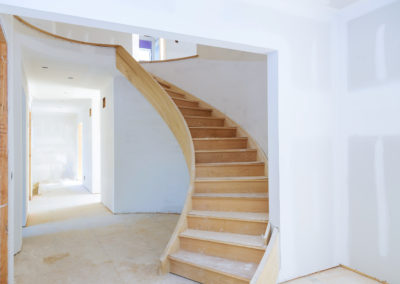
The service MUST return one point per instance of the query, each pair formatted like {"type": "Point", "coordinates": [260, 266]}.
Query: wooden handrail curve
{"type": "Point", "coordinates": [61, 37]}
{"type": "Point", "coordinates": [170, 60]}
{"type": "Point", "coordinates": [164, 105]}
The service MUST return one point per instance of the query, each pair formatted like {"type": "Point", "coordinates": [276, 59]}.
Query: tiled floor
{"type": "Point", "coordinates": [82, 242]}
{"type": "Point", "coordinates": [334, 276]}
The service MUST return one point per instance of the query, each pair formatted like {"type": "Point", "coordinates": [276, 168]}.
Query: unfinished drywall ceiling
{"type": "Point", "coordinates": [335, 4]}
{"type": "Point", "coordinates": [55, 69]}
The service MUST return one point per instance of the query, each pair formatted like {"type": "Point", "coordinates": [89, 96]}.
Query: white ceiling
{"type": "Point", "coordinates": [62, 78]}
{"type": "Point", "coordinates": [334, 4]}
{"type": "Point", "coordinates": [72, 70]}
{"type": "Point", "coordinates": [338, 4]}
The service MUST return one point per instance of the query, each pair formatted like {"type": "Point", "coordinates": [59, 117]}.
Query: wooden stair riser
{"type": "Point", "coordinates": [226, 225]}
{"type": "Point", "coordinates": [164, 85]}
{"type": "Point", "coordinates": [229, 170]}
{"type": "Point", "coordinates": [213, 144]}
{"type": "Point", "coordinates": [230, 204]}
{"type": "Point", "coordinates": [212, 132]}
{"type": "Point", "coordinates": [185, 103]}
{"type": "Point", "coordinates": [202, 275]}
{"type": "Point", "coordinates": [195, 112]}
{"type": "Point", "coordinates": [225, 156]}
{"type": "Point", "coordinates": [231, 186]}
{"type": "Point", "coordinates": [225, 250]}
{"type": "Point", "coordinates": [203, 121]}
{"type": "Point", "coordinates": [175, 95]}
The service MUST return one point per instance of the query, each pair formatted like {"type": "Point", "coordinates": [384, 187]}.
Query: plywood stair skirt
{"type": "Point", "coordinates": [223, 235]}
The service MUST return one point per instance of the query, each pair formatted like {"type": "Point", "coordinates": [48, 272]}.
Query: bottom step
{"type": "Point", "coordinates": [211, 269]}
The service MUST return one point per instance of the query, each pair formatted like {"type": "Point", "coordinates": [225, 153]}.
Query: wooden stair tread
{"type": "Point", "coordinates": [185, 100]}
{"type": "Point", "coordinates": [202, 117]}
{"type": "Point", "coordinates": [251, 241]}
{"type": "Point", "coordinates": [223, 179]}
{"type": "Point", "coordinates": [211, 127]}
{"type": "Point", "coordinates": [220, 138]}
{"type": "Point", "coordinates": [174, 91]}
{"type": "Point", "coordinates": [232, 195]}
{"type": "Point", "coordinates": [241, 216]}
{"type": "Point", "coordinates": [164, 85]}
{"type": "Point", "coordinates": [230, 164]}
{"type": "Point", "coordinates": [195, 108]}
{"type": "Point", "coordinates": [244, 270]}
{"type": "Point", "coordinates": [226, 150]}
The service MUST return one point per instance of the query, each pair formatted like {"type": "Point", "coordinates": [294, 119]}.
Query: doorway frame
{"type": "Point", "coordinates": [3, 159]}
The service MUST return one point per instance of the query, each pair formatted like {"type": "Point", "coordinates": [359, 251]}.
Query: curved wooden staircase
{"type": "Point", "coordinates": [224, 237]}
{"type": "Point", "coordinates": [223, 234]}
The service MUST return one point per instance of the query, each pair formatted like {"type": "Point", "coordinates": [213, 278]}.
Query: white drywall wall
{"type": "Point", "coordinates": [86, 149]}
{"type": "Point", "coordinates": [87, 145]}
{"type": "Point", "coordinates": [95, 146]}
{"type": "Point", "coordinates": [179, 49]}
{"type": "Point", "coordinates": [150, 170]}
{"type": "Point", "coordinates": [107, 147]}
{"type": "Point", "coordinates": [54, 146]}
{"type": "Point", "coordinates": [368, 138]}
{"type": "Point", "coordinates": [25, 151]}
{"type": "Point", "coordinates": [273, 138]}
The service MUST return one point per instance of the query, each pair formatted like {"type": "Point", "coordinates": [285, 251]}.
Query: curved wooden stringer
{"type": "Point", "coordinates": [222, 235]}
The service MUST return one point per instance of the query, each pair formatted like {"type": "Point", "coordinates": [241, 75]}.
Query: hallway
{"type": "Point", "coordinates": [72, 238]}
{"type": "Point", "coordinates": [61, 201]}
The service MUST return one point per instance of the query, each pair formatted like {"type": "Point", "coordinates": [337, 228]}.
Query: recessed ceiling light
{"type": "Point", "coordinates": [70, 77]}
{"type": "Point", "coordinates": [45, 67]}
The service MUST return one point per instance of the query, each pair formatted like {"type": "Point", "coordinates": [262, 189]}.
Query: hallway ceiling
{"type": "Point", "coordinates": [56, 69]}
{"type": "Point", "coordinates": [62, 78]}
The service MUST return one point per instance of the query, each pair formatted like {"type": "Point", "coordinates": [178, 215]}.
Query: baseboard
{"type": "Point", "coordinates": [363, 274]}
{"type": "Point", "coordinates": [342, 266]}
